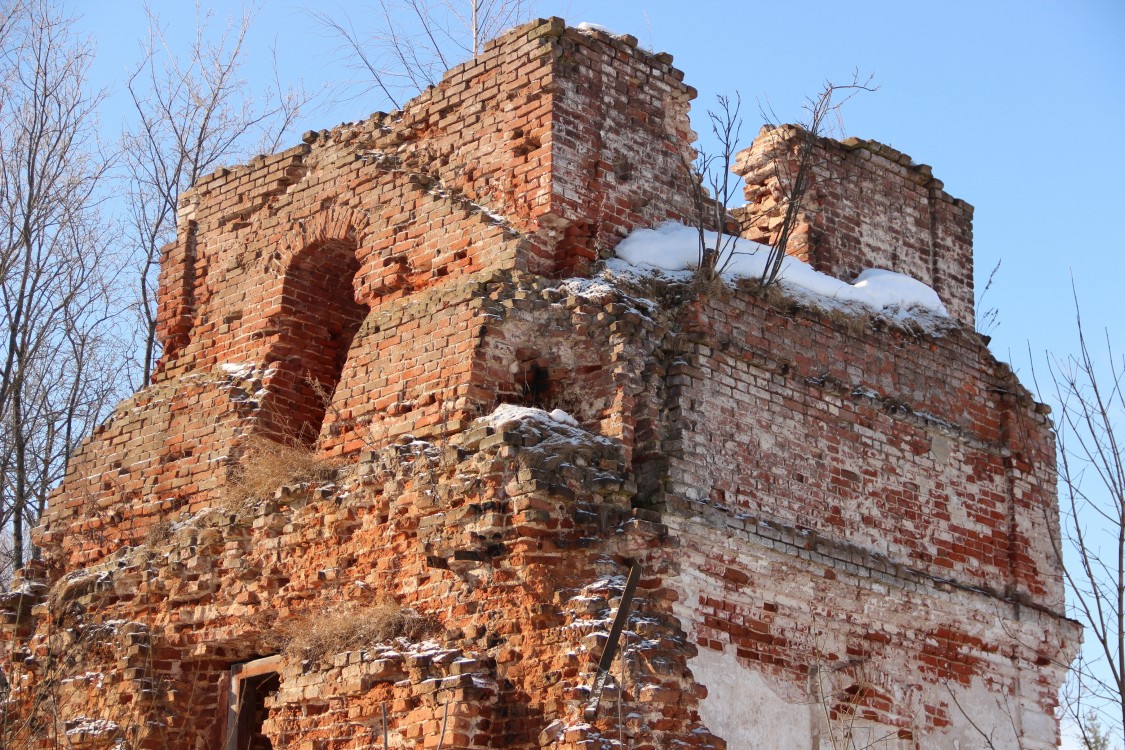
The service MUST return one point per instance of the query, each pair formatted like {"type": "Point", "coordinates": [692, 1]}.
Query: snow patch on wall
{"type": "Point", "coordinates": [509, 412]}
{"type": "Point", "coordinates": [586, 26]}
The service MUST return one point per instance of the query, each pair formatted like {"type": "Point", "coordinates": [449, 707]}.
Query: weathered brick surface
{"type": "Point", "coordinates": [842, 522]}
{"type": "Point", "coordinates": [924, 450]}
{"type": "Point", "coordinates": [901, 658]}
{"type": "Point", "coordinates": [492, 537]}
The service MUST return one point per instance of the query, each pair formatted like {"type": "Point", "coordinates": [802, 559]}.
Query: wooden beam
{"type": "Point", "coordinates": [610, 650]}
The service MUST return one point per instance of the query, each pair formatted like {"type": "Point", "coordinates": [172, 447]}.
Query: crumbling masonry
{"type": "Point", "coordinates": [814, 529]}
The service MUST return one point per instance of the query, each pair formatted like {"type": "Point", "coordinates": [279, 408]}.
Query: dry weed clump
{"type": "Point", "coordinates": [351, 627]}
{"type": "Point", "coordinates": [158, 533]}
{"type": "Point", "coordinates": [267, 465]}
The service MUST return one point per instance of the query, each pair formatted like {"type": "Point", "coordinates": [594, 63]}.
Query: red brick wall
{"type": "Point", "coordinates": [462, 182]}
{"type": "Point", "coordinates": [924, 449]}
{"type": "Point", "coordinates": [408, 371]}
{"type": "Point", "coordinates": [862, 509]}
{"type": "Point", "coordinates": [490, 537]}
{"type": "Point", "coordinates": [621, 144]}
{"type": "Point", "coordinates": [906, 658]}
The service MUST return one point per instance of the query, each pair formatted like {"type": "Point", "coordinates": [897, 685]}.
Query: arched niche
{"type": "Point", "coordinates": [314, 324]}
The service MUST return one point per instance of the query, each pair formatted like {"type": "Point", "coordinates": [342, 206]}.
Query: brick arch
{"type": "Point", "coordinates": [335, 225]}
{"type": "Point", "coordinates": [314, 325]}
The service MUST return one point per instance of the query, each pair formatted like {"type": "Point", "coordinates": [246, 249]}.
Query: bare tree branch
{"type": "Point", "coordinates": [823, 115]}
{"type": "Point", "coordinates": [406, 45]}
{"type": "Point", "coordinates": [1089, 399]}
{"type": "Point", "coordinates": [58, 347]}
{"type": "Point", "coordinates": [713, 189]}
{"type": "Point", "coordinates": [192, 114]}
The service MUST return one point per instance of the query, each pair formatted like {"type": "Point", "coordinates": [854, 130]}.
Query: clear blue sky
{"type": "Point", "coordinates": [1018, 106]}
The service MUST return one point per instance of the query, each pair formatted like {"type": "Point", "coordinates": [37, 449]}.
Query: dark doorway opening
{"type": "Point", "coordinates": [251, 684]}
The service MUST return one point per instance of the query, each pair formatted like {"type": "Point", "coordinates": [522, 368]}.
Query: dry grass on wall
{"type": "Point", "coordinates": [352, 627]}
{"type": "Point", "coordinates": [267, 465]}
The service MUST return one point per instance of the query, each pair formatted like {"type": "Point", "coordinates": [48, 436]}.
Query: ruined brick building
{"type": "Point", "coordinates": [819, 530]}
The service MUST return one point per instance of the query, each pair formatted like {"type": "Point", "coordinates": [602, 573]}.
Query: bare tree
{"type": "Point", "coordinates": [193, 113]}
{"type": "Point", "coordinates": [11, 12]}
{"type": "Point", "coordinates": [796, 175]}
{"type": "Point", "coordinates": [58, 352]}
{"type": "Point", "coordinates": [1089, 406]}
{"type": "Point", "coordinates": [791, 165]}
{"type": "Point", "coordinates": [713, 189]}
{"type": "Point", "coordinates": [406, 45]}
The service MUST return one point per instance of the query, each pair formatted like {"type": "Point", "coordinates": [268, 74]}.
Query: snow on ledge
{"type": "Point", "coordinates": [93, 727]}
{"type": "Point", "coordinates": [673, 249]}
{"type": "Point", "coordinates": [587, 26]}
{"type": "Point", "coordinates": [553, 430]}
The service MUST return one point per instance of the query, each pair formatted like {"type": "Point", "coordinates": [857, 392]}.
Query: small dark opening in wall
{"type": "Point", "coordinates": [536, 379]}
{"type": "Point", "coordinates": [622, 168]}
{"type": "Point", "coordinates": [536, 385]}
{"type": "Point", "coordinates": [253, 712]}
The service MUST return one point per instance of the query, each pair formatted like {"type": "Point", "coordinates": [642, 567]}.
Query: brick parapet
{"type": "Point", "coordinates": [510, 134]}
{"type": "Point", "coordinates": [868, 206]}
{"type": "Point", "coordinates": [622, 144]}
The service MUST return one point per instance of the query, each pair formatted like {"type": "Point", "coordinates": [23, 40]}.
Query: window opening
{"type": "Point", "coordinates": [537, 385]}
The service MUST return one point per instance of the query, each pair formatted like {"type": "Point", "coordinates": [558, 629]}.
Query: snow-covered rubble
{"type": "Point", "coordinates": [508, 412]}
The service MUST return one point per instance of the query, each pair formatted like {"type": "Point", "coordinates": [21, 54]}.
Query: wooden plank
{"type": "Point", "coordinates": [610, 650]}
